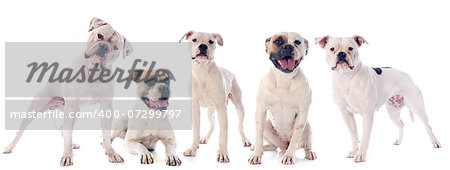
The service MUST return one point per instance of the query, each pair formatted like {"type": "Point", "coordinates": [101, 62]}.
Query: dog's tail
{"type": "Point", "coordinates": [411, 115]}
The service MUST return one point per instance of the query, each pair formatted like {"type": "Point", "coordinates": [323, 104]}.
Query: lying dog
{"type": "Point", "coordinates": [142, 134]}
{"type": "Point", "coordinates": [284, 93]}
{"type": "Point", "coordinates": [105, 46]}
{"type": "Point", "coordinates": [212, 86]}
{"type": "Point", "coordinates": [358, 89]}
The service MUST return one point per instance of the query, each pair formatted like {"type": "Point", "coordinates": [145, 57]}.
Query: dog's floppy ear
{"type": "Point", "coordinates": [267, 43]}
{"type": "Point", "coordinates": [127, 48]}
{"type": "Point", "coordinates": [95, 23]}
{"type": "Point", "coordinates": [322, 41]}
{"type": "Point", "coordinates": [165, 73]}
{"type": "Point", "coordinates": [137, 74]}
{"type": "Point", "coordinates": [359, 40]}
{"type": "Point", "coordinates": [218, 39]}
{"type": "Point", "coordinates": [187, 35]}
{"type": "Point", "coordinates": [307, 46]}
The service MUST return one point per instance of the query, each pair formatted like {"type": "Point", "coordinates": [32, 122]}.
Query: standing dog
{"type": "Point", "coordinates": [105, 45]}
{"type": "Point", "coordinates": [141, 133]}
{"type": "Point", "coordinates": [358, 89]}
{"type": "Point", "coordinates": [284, 93]}
{"type": "Point", "coordinates": [212, 86]}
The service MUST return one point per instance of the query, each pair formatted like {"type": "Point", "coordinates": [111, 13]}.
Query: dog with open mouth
{"type": "Point", "coordinates": [212, 87]}
{"type": "Point", "coordinates": [142, 134]}
{"type": "Point", "coordinates": [284, 94]}
{"type": "Point", "coordinates": [359, 89]}
{"type": "Point", "coordinates": [105, 45]}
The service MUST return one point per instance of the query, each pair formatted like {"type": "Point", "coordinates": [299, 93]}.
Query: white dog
{"type": "Point", "coordinates": [212, 86]}
{"type": "Point", "coordinates": [142, 133]}
{"type": "Point", "coordinates": [284, 94]}
{"type": "Point", "coordinates": [358, 89]}
{"type": "Point", "coordinates": [105, 46]}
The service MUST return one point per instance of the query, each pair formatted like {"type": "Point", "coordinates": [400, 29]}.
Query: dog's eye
{"type": "Point", "coordinates": [194, 40]}
{"type": "Point", "coordinates": [332, 49]}
{"type": "Point", "coordinates": [350, 48]}
{"type": "Point", "coordinates": [100, 36]}
{"type": "Point", "coordinates": [211, 42]}
{"type": "Point", "coordinates": [277, 42]}
{"type": "Point", "coordinates": [115, 47]}
{"type": "Point", "coordinates": [298, 42]}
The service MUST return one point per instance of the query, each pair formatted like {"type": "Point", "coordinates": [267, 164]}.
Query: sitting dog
{"type": "Point", "coordinates": [358, 89]}
{"type": "Point", "coordinates": [105, 45]}
{"type": "Point", "coordinates": [142, 134]}
{"type": "Point", "coordinates": [285, 94]}
{"type": "Point", "coordinates": [212, 86]}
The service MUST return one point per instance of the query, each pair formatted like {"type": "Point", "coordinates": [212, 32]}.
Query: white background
{"type": "Point", "coordinates": [408, 35]}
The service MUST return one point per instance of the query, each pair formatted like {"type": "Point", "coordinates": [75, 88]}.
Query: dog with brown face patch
{"type": "Point", "coordinates": [358, 89]}
{"type": "Point", "coordinates": [212, 87]}
{"type": "Point", "coordinates": [142, 134]}
{"type": "Point", "coordinates": [285, 95]}
{"type": "Point", "coordinates": [105, 45]}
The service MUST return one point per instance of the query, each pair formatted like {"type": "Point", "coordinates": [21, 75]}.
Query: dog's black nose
{"type": "Point", "coordinates": [288, 48]}
{"type": "Point", "coordinates": [85, 55]}
{"type": "Point", "coordinates": [203, 47]}
{"type": "Point", "coordinates": [341, 56]}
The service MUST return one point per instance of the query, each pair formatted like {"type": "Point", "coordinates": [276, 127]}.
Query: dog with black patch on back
{"type": "Point", "coordinates": [358, 89]}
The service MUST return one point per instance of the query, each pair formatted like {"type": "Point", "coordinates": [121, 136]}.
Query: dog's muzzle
{"type": "Point", "coordinates": [341, 59]}
{"type": "Point", "coordinates": [100, 54]}
{"type": "Point", "coordinates": [203, 48]}
{"type": "Point", "coordinates": [284, 59]}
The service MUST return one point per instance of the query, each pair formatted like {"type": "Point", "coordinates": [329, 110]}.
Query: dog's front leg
{"type": "Point", "coordinates": [299, 127]}
{"type": "Point", "coordinates": [195, 130]}
{"type": "Point", "coordinates": [171, 147]}
{"type": "Point", "coordinates": [367, 129]}
{"type": "Point", "coordinates": [71, 107]}
{"type": "Point", "coordinates": [134, 147]}
{"type": "Point", "coordinates": [106, 133]}
{"type": "Point", "coordinates": [222, 155]}
{"type": "Point", "coordinates": [349, 119]}
{"type": "Point", "coordinates": [260, 117]}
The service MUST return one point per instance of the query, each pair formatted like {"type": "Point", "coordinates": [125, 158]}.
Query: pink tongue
{"type": "Point", "coordinates": [288, 64]}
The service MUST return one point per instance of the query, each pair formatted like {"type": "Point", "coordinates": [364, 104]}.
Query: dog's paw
{"type": "Point", "coordinates": [203, 141]}
{"type": "Point", "coordinates": [255, 159]}
{"type": "Point", "coordinates": [173, 160]}
{"type": "Point", "coordinates": [351, 154]}
{"type": "Point", "coordinates": [288, 159]}
{"type": "Point", "coordinates": [222, 157]}
{"type": "Point", "coordinates": [147, 158]}
{"type": "Point", "coordinates": [397, 142]}
{"type": "Point", "coordinates": [360, 158]}
{"type": "Point", "coordinates": [190, 152]}
{"type": "Point", "coordinates": [8, 150]}
{"type": "Point", "coordinates": [247, 143]}
{"type": "Point", "coordinates": [113, 157]}
{"type": "Point", "coordinates": [310, 155]}
{"type": "Point", "coordinates": [436, 145]}
{"type": "Point", "coordinates": [66, 160]}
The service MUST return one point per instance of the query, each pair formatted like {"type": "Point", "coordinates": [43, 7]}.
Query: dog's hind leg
{"type": "Point", "coordinates": [414, 102]}
{"type": "Point", "coordinates": [58, 103]}
{"type": "Point", "coordinates": [394, 106]}
{"type": "Point", "coordinates": [37, 105]}
{"type": "Point", "coordinates": [211, 112]}
{"type": "Point", "coordinates": [236, 97]}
